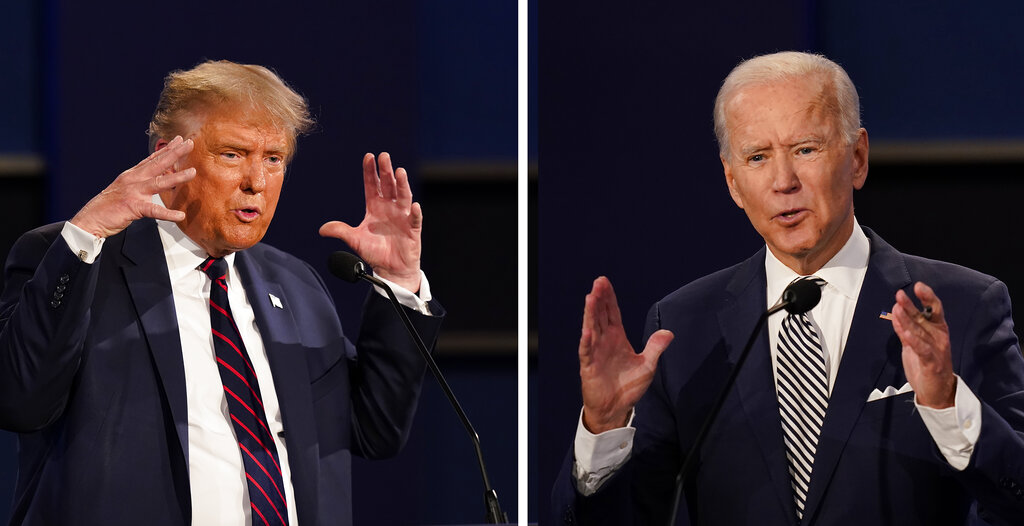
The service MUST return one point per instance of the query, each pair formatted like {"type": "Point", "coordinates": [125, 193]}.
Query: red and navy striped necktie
{"type": "Point", "coordinates": [245, 405]}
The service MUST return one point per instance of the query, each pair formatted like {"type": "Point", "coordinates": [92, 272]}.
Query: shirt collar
{"type": "Point", "coordinates": [844, 272]}
{"type": "Point", "coordinates": [182, 254]}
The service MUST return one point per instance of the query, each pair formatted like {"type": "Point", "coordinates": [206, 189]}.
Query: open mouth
{"type": "Point", "coordinates": [789, 215]}
{"type": "Point", "coordinates": [247, 214]}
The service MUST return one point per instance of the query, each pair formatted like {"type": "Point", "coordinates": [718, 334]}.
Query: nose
{"type": "Point", "coordinates": [784, 177]}
{"type": "Point", "coordinates": [254, 178]}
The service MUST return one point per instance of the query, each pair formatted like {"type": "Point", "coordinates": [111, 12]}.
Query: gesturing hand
{"type": "Point", "coordinates": [129, 197]}
{"type": "Point", "coordinates": [927, 361]}
{"type": "Point", "coordinates": [613, 376]}
{"type": "Point", "coordinates": [388, 238]}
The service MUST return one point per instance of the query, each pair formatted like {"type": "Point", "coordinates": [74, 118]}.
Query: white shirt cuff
{"type": "Point", "coordinates": [955, 429]}
{"type": "Point", "coordinates": [83, 244]}
{"type": "Point", "coordinates": [406, 297]}
{"type": "Point", "coordinates": [599, 456]}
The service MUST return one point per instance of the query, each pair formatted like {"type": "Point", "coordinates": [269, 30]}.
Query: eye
{"type": "Point", "coordinates": [275, 159]}
{"type": "Point", "coordinates": [230, 155]}
{"type": "Point", "coordinates": [756, 158]}
{"type": "Point", "coordinates": [806, 150]}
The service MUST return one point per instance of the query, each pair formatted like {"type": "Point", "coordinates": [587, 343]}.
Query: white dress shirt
{"type": "Point", "coordinates": [955, 429]}
{"type": "Point", "coordinates": [219, 490]}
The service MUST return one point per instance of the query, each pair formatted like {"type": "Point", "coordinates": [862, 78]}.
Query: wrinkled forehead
{"type": "Point", "coordinates": [206, 117]}
{"type": "Point", "coordinates": [809, 100]}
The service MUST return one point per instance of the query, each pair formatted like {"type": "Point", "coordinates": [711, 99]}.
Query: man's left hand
{"type": "Point", "coordinates": [388, 238]}
{"type": "Point", "coordinates": [927, 361]}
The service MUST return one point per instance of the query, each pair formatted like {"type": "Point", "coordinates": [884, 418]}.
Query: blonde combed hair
{"type": "Point", "coordinates": [187, 92]}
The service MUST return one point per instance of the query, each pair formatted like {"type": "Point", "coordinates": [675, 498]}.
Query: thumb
{"type": "Point", "coordinates": [657, 344]}
{"type": "Point", "coordinates": [336, 229]}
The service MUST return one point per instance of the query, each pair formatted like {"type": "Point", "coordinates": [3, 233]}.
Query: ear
{"type": "Point", "coordinates": [860, 159]}
{"type": "Point", "coordinates": [730, 181]}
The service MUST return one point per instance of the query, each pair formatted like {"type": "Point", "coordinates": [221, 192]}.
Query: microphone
{"type": "Point", "coordinates": [346, 266]}
{"type": "Point", "coordinates": [350, 268]}
{"type": "Point", "coordinates": [800, 296]}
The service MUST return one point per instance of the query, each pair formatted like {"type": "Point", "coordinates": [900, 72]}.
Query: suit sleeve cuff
{"type": "Point", "coordinates": [417, 302]}
{"type": "Point", "coordinates": [956, 429]}
{"type": "Point", "coordinates": [83, 244]}
{"type": "Point", "coordinates": [599, 456]}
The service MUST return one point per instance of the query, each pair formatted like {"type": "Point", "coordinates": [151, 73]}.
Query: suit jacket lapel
{"type": "Point", "coordinates": [280, 335]}
{"type": "Point", "coordinates": [145, 274]}
{"type": "Point", "coordinates": [755, 384]}
{"type": "Point", "coordinates": [868, 346]}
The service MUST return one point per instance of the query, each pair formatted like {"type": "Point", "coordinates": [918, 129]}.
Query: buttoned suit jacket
{"type": "Point", "coordinates": [92, 379]}
{"type": "Point", "coordinates": [875, 464]}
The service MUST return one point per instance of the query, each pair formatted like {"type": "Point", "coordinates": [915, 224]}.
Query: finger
{"type": "Point", "coordinates": [416, 217]}
{"type": "Point", "coordinates": [910, 331]}
{"type": "Point", "coordinates": [928, 298]}
{"type": "Point", "coordinates": [151, 209]}
{"type": "Point", "coordinates": [167, 181]}
{"type": "Point", "coordinates": [586, 348]}
{"type": "Point", "coordinates": [371, 185]}
{"type": "Point", "coordinates": [166, 158]}
{"type": "Point", "coordinates": [910, 310]}
{"type": "Point", "coordinates": [603, 295]}
{"type": "Point", "coordinates": [590, 311]}
{"type": "Point", "coordinates": [388, 185]}
{"type": "Point", "coordinates": [174, 143]}
{"type": "Point", "coordinates": [403, 190]}
{"type": "Point", "coordinates": [336, 229]}
{"type": "Point", "coordinates": [610, 315]}
{"type": "Point", "coordinates": [656, 345]}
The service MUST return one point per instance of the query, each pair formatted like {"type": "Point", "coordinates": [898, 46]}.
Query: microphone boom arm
{"type": "Point", "coordinates": [494, 513]}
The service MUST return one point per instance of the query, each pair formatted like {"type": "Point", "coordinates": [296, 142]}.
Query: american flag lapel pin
{"type": "Point", "coordinates": [885, 315]}
{"type": "Point", "coordinates": [275, 301]}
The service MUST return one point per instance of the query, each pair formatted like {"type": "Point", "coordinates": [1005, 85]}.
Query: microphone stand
{"type": "Point", "coordinates": [688, 464]}
{"type": "Point", "coordinates": [494, 513]}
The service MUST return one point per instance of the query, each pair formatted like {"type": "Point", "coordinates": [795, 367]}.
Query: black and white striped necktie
{"type": "Point", "coordinates": [803, 397]}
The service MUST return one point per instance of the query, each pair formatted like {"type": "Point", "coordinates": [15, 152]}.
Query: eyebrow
{"type": "Point", "coordinates": [275, 149]}
{"type": "Point", "coordinates": [808, 138]}
{"type": "Point", "coordinates": [748, 150]}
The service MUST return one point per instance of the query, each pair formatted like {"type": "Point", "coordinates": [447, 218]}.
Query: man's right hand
{"type": "Point", "coordinates": [129, 197]}
{"type": "Point", "coordinates": [613, 376]}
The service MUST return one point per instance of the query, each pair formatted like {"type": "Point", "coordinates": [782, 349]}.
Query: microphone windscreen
{"type": "Point", "coordinates": [346, 266]}
{"type": "Point", "coordinates": [802, 295]}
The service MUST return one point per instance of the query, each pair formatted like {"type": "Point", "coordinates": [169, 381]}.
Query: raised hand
{"type": "Point", "coordinates": [927, 361]}
{"type": "Point", "coordinates": [388, 238]}
{"type": "Point", "coordinates": [613, 376]}
{"type": "Point", "coordinates": [129, 197]}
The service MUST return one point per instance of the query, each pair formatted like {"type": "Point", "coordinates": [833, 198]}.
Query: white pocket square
{"type": "Point", "coordinates": [889, 391]}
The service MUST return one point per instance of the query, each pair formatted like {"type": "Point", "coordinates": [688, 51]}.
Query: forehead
{"type": "Point", "coordinates": [781, 110]}
{"type": "Point", "coordinates": [240, 126]}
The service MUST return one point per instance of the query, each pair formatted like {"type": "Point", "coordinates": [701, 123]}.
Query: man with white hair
{"type": "Point", "coordinates": [840, 415]}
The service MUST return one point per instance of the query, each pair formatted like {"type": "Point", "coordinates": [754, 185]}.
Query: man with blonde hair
{"type": "Point", "coordinates": [162, 366]}
{"type": "Point", "coordinates": [838, 416]}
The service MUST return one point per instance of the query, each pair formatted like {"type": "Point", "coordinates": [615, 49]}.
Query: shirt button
{"type": "Point", "coordinates": [968, 423]}
{"type": "Point", "coordinates": [624, 445]}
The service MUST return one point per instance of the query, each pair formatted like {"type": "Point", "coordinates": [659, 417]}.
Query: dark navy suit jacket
{"type": "Point", "coordinates": [91, 376]}
{"type": "Point", "coordinates": [875, 465]}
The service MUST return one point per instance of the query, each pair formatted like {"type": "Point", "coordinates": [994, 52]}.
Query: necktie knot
{"type": "Point", "coordinates": [216, 268]}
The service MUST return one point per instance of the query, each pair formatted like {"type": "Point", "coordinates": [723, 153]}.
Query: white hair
{"type": "Point", "coordinates": [841, 96]}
